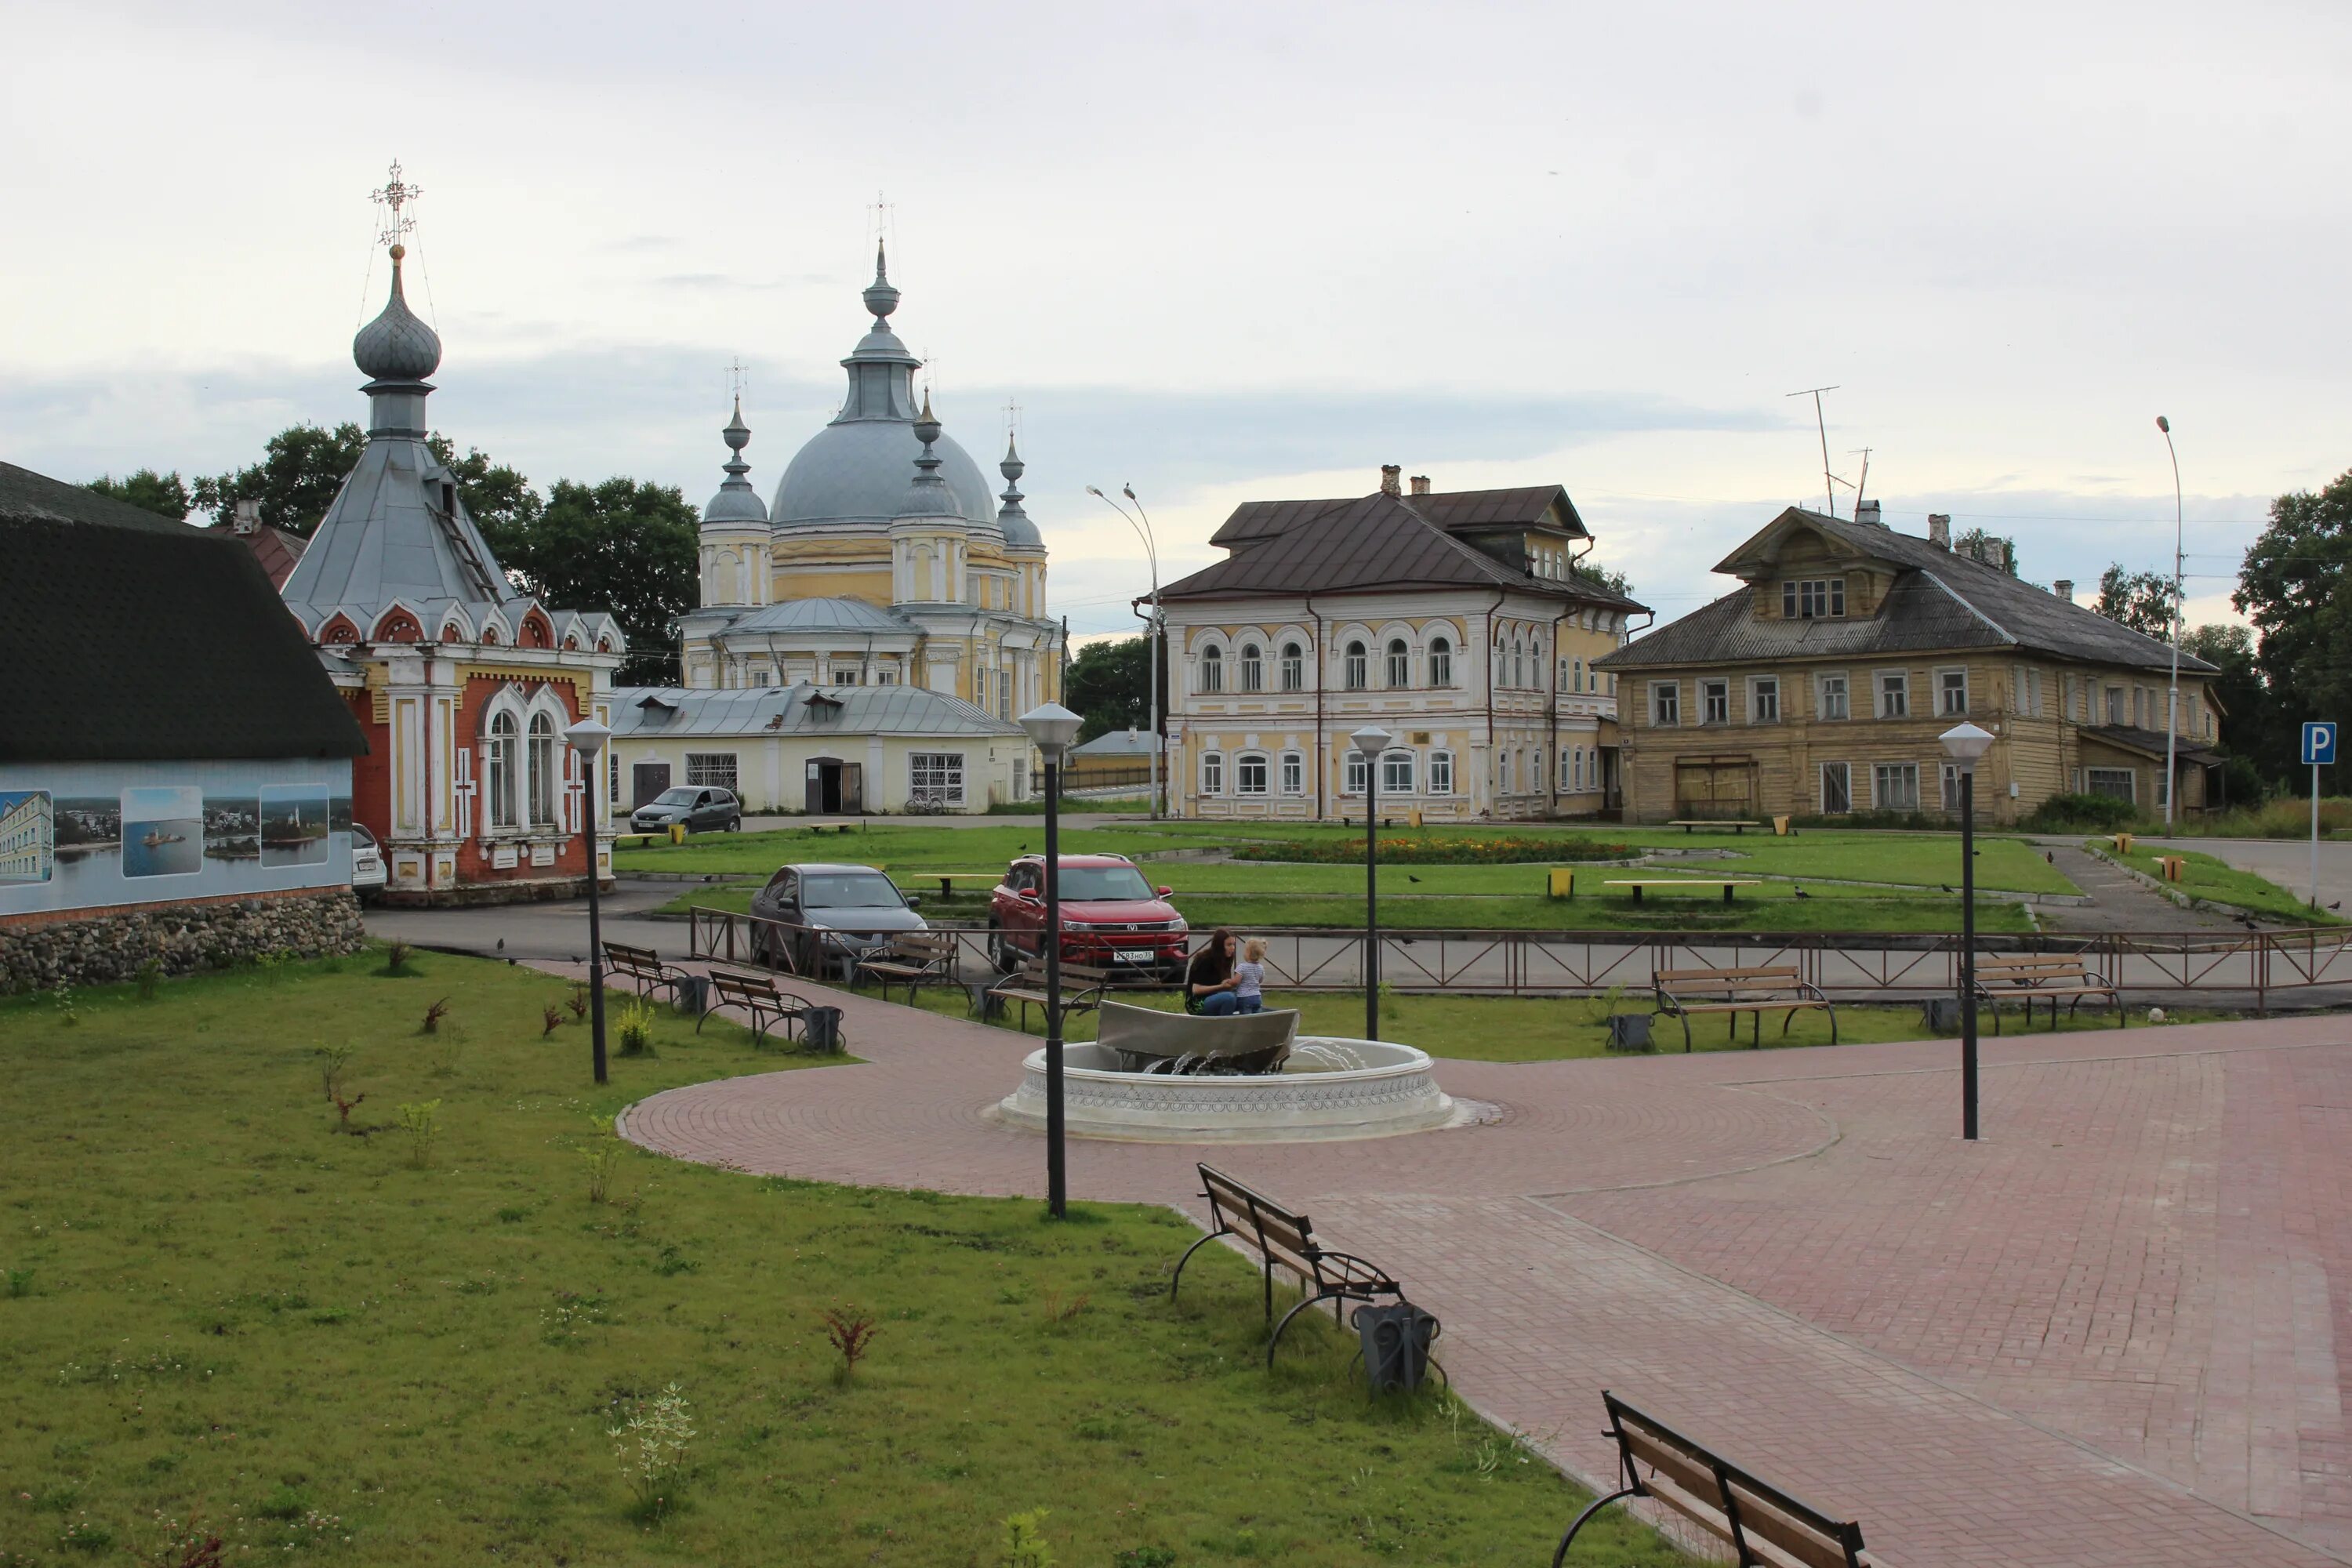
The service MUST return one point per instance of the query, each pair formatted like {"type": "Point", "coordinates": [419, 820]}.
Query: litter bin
{"type": "Point", "coordinates": [1560, 882]}
{"type": "Point", "coordinates": [1941, 1014]}
{"type": "Point", "coordinates": [821, 1030]}
{"type": "Point", "coordinates": [1629, 1031]}
{"type": "Point", "coordinates": [1396, 1341]}
{"type": "Point", "coordinates": [692, 995]}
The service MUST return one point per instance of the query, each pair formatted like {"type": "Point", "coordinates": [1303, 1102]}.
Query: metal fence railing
{"type": "Point", "coordinates": [2262, 964]}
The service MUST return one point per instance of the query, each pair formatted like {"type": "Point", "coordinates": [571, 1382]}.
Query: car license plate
{"type": "Point", "coordinates": [1136, 955]}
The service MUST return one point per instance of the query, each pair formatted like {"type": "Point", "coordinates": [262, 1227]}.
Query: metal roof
{"type": "Point", "coordinates": [1526, 506]}
{"type": "Point", "coordinates": [644, 713]}
{"type": "Point", "coordinates": [1938, 599]}
{"type": "Point", "coordinates": [829, 615]}
{"type": "Point", "coordinates": [736, 502]}
{"type": "Point", "coordinates": [1118, 743]}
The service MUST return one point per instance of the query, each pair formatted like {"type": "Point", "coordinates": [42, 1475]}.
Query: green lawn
{"type": "Point", "coordinates": [1544, 1029]}
{"type": "Point", "coordinates": [2203, 876]}
{"type": "Point", "coordinates": [213, 1308]}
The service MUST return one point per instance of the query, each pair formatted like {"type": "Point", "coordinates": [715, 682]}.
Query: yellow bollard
{"type": "Point", "coordinates": [677, 832]}
{"type": "Point", "coordinates": [1561, 883]}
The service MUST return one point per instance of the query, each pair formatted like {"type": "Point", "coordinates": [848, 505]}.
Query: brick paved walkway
{"type": "Point", "coordinates": [2106, 1335]}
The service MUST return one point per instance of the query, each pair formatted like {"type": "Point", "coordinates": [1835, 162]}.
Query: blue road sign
{"type": "Point", "coordinates": [2318, 743]}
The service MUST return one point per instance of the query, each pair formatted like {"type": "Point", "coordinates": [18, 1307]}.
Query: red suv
{"type": "Point", "coordinates": [1110, 916]}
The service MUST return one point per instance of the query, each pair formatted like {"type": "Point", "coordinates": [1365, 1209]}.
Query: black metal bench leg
{"type": "Point", "coordinates": [1272, 1344]}
{"type": "Point", "coordinates": [1177, 1278]}
{"type": "Point", "coordinates": [1599, 1503]}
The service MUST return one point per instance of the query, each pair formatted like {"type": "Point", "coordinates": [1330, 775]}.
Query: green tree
{"type": "Point", "coordinates": [2295, 586]}
{"type": "Point", "coordinates": [2141, 600]}
{"type": "Point", "coordinates": [2249, 723]}
{"type": "Point", "coordinates": [1614, 580]}
{"type": "Point", "coordinates": [499, 499]}
{"type": "Point", "coordinates": [1971, 544]}
{"type": "Point", "coordinates": [162, 494]}
{"type": "Point", "coordinates": [623, 547]}
{"type": "Point", "coordinates": [1109, 685]}
{"type": "Point", "coordinates": [301, 469]}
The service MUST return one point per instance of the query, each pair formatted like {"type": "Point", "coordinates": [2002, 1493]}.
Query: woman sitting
{"type": "Point", "coordinates": [1209, 983]}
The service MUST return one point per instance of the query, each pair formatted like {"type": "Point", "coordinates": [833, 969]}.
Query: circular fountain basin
{"type": "Point", "coordinates": [1314, 1097]}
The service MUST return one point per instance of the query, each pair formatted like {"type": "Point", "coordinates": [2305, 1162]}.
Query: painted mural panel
{"type": "Point", "coordinates": [93, 834]}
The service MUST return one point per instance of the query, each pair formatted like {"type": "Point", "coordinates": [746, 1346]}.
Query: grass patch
{"type": "Point", "coordinates": [2203, 876]}
{"type": "Point", "coordinates": [242, 1318]}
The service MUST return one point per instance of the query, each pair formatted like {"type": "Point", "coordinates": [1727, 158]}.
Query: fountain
{"type": "Point", "coordinates": [1166, 1078]}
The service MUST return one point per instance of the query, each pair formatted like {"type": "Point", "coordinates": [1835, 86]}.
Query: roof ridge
{"type": "Point", "coordinates": [1967, 604]}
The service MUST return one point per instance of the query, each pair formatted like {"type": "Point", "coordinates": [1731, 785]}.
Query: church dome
{"type": "Point", "coordinates": [397, 345]}
{"type": "Point", "coordinates": [736, 502]}
{"type": "Point", "coordinates": [855, 469]}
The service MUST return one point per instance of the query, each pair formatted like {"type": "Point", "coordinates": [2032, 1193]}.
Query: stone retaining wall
{"type": "Point", "coordinates": [95, 947]}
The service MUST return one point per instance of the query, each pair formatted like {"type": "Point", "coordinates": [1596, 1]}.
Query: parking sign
{"type": "Point", "coordinates": [2319, 743]}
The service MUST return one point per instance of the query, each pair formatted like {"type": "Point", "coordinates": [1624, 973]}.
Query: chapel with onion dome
{"type": "Point", "coordinates": [883, 560]}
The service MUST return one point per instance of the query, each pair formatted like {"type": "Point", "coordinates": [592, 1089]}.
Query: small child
{"type": "Point", "coordinates": [1249, 977]}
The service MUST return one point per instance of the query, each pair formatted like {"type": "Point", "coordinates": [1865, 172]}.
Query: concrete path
{"type": "Point", "coordinates": [2110, 1334]}
{"type": "Point", "coordinates": [2285, 862]}
{"type": "Point", "coordinates": [2119, 902]}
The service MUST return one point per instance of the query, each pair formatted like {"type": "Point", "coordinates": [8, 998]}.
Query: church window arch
{"type": "Point", "coordinates": [542, 765]}
{"type": "Point", "coordinates": [502, 766]}
{"type": "Point", "coordinates": [1400, 664]}
{"type": "Point", "coordinates": [1357, 671]}
{"type": "Point", "coordinates": [536, 632]}
{"type": "Point", "coordinates": [1252, 668]}
{"type": "Point", "coordinates": [1213, 669]}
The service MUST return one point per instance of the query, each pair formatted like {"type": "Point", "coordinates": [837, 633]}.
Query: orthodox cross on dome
{"type": "Point", "coordinates": [1011, 420]}
{"type": "Point", "coordinates": [881, 209]}
{"type": "Point", "coordinates": [735, 381]}
{"type": "Point", "coordinates": [394, 195]}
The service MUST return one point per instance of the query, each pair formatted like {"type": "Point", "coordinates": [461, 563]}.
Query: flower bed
{"type": "Point", "coordinates": [1447, 851]}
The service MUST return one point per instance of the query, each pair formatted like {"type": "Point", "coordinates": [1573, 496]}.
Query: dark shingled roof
{"type": "Point", "coordinates": [1377, 541]}
{"type": "Point", "coordinates": [1938, 599]}
{"type": "Point", "coordinates": [1527, 506]}
{"type": "Point", "coordinates": [128, 636]}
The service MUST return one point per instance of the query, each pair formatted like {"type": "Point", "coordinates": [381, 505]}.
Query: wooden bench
{"type": "Point", "coordinates": [1762, 1524]}
{"type": "Point", "coordinates": [915, 959]}
{"type": "Point", "coordinates": [758, 997]}
{"type": "Point", "coordinates": [1283, 1238]}
{"type": "Point", "coordinates": [1683, 993]}
{"type": "Point", "coordinates": [1692, 824]}
{"type": "Point", "coordinates": [1726, 883]}
{"type": "Point", "coordinates": [643, 968]}
{"type": "Point", "coordinates": [2037, 978]}
{"type": "Point", "coordinates": [948, 879]}
{"type": "Point", "coordinates": [1082, 989]}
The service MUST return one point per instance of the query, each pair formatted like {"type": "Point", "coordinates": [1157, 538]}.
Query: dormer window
{"type": "Point", "coordinates": [1812, 599]}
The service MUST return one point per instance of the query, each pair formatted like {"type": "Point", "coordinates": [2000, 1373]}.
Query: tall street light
{"type": "Point", "coordinates": [2172, 704]}
{"type": "Point", "coordinates": [1371, 742]}
{"type": "Point", "coordinates": [1151, 553]}
{"type": "Point", "coordinates": [1964, 743]}
{"type": "Point", "coordinates": [1052, 728]}
{"type": "Point", "coordinates": [587, 738]}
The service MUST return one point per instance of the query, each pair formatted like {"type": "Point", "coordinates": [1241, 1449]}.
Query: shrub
{"type": "Point", "coordinates": [1024, 1541]}
{"type": "Point", "coordinates": [332, 1060]}
{"type": "Point", "coordinates": [551, 1018]}
{"type": "Point", "coordinates": [578, 1003]}
{"type": "Point", "coordinates": [395, 958]}
{"type": "Point", "coordinates": [20, 1282]}
{"type": "Point", "coordinates": [2080, 813]}
{"type": "Point", "coordinates": [601, 1162]}
{"type": "Point", "coordinates": [852, 1331]}
{"type": "Point", "coordinates": [150, 979]}
{"type": "Point", "coordinates": [1061, 1313]}
{"type": "Point", "coordinates": [343, 1109]}
{"type": "Point", "coordinates": [650, 1448]}
{"type": "Point", "coordinates": [636, 1029]}
{"type": "Point", "coordinates": [433, 1014]}
{"type": "Point", "coordinates": [420, 1122]}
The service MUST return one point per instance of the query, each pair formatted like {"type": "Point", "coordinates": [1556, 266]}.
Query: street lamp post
{"type": "Point", "coordinates": [2172, 703]}
{"type": "Point", "coordinates": [1370, 743]}
{"type": "Point", "coordinates": [587, 738]}
{"type": "Point", "coordinates": [1151, 553]}
{"type": "Point", "coordinates": [1052, 728]}
{"type": "Point", "coordinates": [1964, 743]}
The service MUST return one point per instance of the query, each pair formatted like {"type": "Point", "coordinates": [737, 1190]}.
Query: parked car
{"type": "Point", "coordinates": [1111, 917]}
{"type": "Point", "coordinates": [368, 873]}
{"type": "Point", "coordinates": [829, 916]}
{"type": "Point", "coordinates": [703, 809]}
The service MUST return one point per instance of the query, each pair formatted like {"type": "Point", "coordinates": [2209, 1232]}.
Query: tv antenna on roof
{"type": "Point", "coordinates": [1864, 453]}
{"type": "Point", "coordinates": [1821, 424]}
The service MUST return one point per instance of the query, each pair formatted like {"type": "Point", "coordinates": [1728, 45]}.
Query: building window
{"type": "Point", "coordinates": [1894, 787]}
{"type": "Point", "coordinates": [1358, 676]}
{"type": "Point", "coordinates": [1294, 773]}
{"type": "Point", "coordinates": [1518, 663]}
{"type": "Point", "coordinates": [504, 770]}
{"type": "Point", "coordinates": [612, 776]}
{"type": "Point", "coordinates": [1351, 776]}
{"type": "Point", "coordinates": [1952, 693]}
{"type": "Point", "coordinates": [1837, 789]}
{"type": "Point", "coordinates": [1580, 675]}
{"type": "Point", "coordinates": [2162, 792]}
{"type": "Point", "coordinates": [1441, 662]}
{"type": "Point", "coordinates": [1293, 668]}
{"type": "Point", "coordinates": [1893, 694]}
{"type": "Point", "coordinates": [936, 774]}
{"type": "Point", "coordinates": [1441, 772]}
{"type": "Point", "coordinates": [711, 770]}
{"type": "Point", "coordinates": [1764, 701]}
{"type": "Point", "coordinates": [1715, 701]}
{"type": "Point", "coordinates": [1829, 698]}
{"type": "Point", "coordinates": [1813, 599]}
{"type": "Point", "coordinates": [1212, 773]}
{"type": "Point", "coordinates": [1020, 778]}
{"type": "Point", "coordinates": [543, 771]}
{"type": "Point", "coordinates": [2118, 782]}
{"type": "Point", "coordinates": [2115, 705]}
{"type": "Point", "coordinates": [1400, 662]}
{"type": "Point", "coordinates": [1252, 668]}
{"type": "Point", "coordinates": [2034, 691]}
{"type": "Point", "coordinates": [1666, 705]}
{"type": "Point", "coordinates": [1950, 781]}
{"type": "Point", "coordinates": [1212, 669]}
{"type": "Point", "coordinates": [1396, 773]}
{"type": "Point", "coordinates": [1249, 773]}
{"type": "Point", "coordinates": [1004, 694]}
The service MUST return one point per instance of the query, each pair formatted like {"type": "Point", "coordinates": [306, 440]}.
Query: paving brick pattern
{"type": "Point", "coordinates": [2106, 1335]}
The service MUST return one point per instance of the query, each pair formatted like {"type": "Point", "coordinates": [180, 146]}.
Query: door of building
{"type": "Point", "coordinates": [1716, 789]}
{"type": "Point", "coordinates": [646, 780]}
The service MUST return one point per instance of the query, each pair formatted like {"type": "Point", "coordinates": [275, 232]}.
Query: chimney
{"type": "Point", "coordinates": [1939, 529]}
{"type": "Point", "coordinates": [1866, 513]}
{"type": "Point", "coordinates": [1391, 479]}
{"type": "Point", "coordinates": [1420, 484]}
{"type": "Point", "coordinates": [2065, 589]}
{"type": "Point", "coordinates": [1994, 554]}
{"type": "Point", "coordinates": [246, 518]}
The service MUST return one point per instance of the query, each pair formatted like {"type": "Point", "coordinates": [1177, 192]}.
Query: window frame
{"type": "Point", "coordinates": [947, 768]}
{"type": "Point", "coordinates": [1812, 599]}
{"type": "Point", "coordinates": [703, 760]}
{"type": "Point", "coordinates": [1356, 666]}
{"type": "Point", "coordinates": [1294, 773]}
{"type": "Point", "coordinates": [1391, 760]}
{"type": "Point", "coordinates": [1844, 772]}
{"type": "Point", "coordinates": [1396, 665]}
{"type": "Point", "coordinates": [502, 770]}
{"type": "Point", "coordinates": [1842, 683]}
{"type": "Point", "coordinates": [542, 766]}
{"type": "Point", "coordinates": [1243, 762]}
{"type": "Point", "coordinates": [2091, 780]}
{"type": "Point", "coordinates": [1881, 693]}
{"type": "Point", "coordinates": [1212, 773]}
{"type": "Point", "coordinates": [1713, 694]}
{"type": "Point", "coordinates": [1351, 773]}
{"type": "Point", "coordinates": [1945, 689]}
{"type": "Point", "coordinates": [1440, 773]}
{"type": "Point", "coordinates": [1880, 773]}
{"type": "Point", "coordinates": [1252, 669]}
{"type": "Point", "coordinates": [1441, 661]}
{"type": "Point", "coordinates": [1764, 699]}
{"type": "Point", "coordinates": [1666, 705]}
{"type": "Point", "coordinates": [1293, 668]}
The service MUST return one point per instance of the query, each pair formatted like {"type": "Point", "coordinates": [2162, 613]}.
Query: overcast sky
{"type": "Point", "coordinates": [1230, 252]}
